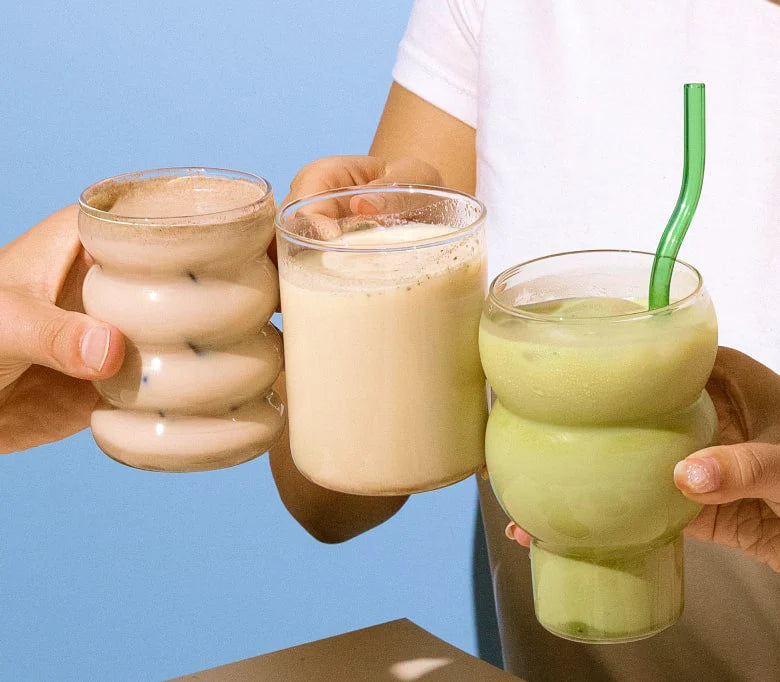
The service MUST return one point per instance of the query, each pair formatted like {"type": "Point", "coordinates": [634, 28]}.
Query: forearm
{"type": "Point", "coordinates": [412, 127]}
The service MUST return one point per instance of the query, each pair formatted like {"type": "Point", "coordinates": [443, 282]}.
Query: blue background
{"type": "Point", "coordinates": [111, 573]}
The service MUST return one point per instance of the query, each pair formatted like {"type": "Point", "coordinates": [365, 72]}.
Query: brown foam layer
{"type": "Point", "coordinates": [176, 224]}
{"type": "Point", "coordinates": [174, 196]}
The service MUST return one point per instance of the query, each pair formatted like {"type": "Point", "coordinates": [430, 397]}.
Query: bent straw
{"type": "Point", "coordinates": [680, 220]}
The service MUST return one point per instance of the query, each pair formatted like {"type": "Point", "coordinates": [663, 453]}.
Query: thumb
{"type": "Point", "coordinates": [725, 473]}
{"type": "Point", "coordinates": [33, 331]}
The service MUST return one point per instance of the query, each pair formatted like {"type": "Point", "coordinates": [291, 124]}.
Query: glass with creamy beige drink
{"type": "Point", "coordinates": [181, 269]}
{"type": "Point", "coordinates": [597, 399]}
{"type": "Point", "coordinates": [380, 315]}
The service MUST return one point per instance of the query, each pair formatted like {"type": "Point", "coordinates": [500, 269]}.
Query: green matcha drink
{"type": "Point", "coordinates": [597, 399]}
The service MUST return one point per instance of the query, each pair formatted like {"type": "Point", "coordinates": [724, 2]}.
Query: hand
{"type": "Point", "coordinates": [327, 220]}
{"type": "Point", "coordinates": [49, 350]}
{"type": "Point", "coordinates": [328, 515]}
{"type": "Point", "coordinates": [333, 172]}
{"type": "Point", "coordinates": [739, 481]}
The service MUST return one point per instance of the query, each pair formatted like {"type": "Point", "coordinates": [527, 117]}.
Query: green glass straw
{"type": "Point", "coordinates": [693, 176]}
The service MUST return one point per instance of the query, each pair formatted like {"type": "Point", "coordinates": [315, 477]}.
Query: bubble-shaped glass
{"type": "Point", "coordinates": [181, 269]}
{"type": "Point", "coordinates": [596, 400]}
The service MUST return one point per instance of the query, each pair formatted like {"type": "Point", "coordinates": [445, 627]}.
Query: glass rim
{"type": "Point", "coordinates": [392, 188]}
{"type": "Point", "coordinates": [173, 171]}
{"type": "Point", "coordinates": [502, 277]}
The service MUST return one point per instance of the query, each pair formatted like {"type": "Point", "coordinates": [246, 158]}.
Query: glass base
{"type": "Point", "coordinates": [621, 599]}
{"type": "Point", "coordinates": [174, 443]}
{"type": "Point", "coordinates": [379, 488]}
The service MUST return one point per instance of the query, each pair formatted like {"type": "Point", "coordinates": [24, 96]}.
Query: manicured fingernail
{"type": "Point", "coordinates": [94, 347]}
{"type": "Point", "coordinates": [699, 475]}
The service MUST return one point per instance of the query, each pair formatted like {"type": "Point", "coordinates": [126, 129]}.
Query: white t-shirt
{"type": "Point", "coordinates": [579, 114]}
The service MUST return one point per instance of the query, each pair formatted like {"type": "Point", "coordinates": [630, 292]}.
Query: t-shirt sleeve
{"type": "Point", "coordinates": [438, 57]}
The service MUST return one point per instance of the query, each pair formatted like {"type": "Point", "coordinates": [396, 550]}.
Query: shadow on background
{"type": "Point", "coordinates": [488, 642]}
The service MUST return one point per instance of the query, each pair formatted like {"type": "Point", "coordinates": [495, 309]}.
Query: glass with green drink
{"type": "Point", "coordinates": [596, 399]}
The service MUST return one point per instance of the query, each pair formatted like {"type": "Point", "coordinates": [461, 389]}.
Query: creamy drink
{"type": "Point", "coordinates": [597, 400]}
{"type": "Point", "coordinates": [384, 384]}
{"type": "Point", "coordinates": [181, 269]}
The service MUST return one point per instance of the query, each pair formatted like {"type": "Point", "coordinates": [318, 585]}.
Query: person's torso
{"type": "Point", "coordinates": [580, 146]}
{"type": "Point", "coordinates": [580, 139]}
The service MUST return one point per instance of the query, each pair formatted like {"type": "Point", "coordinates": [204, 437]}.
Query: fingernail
{"type": "Point", "coordinates": [94, 347]}
{"type": "Point", "coordinates": [371, 204]}
{"type": "Point", "coordinates": [699, 475]}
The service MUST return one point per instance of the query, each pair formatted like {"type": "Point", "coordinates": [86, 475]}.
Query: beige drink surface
{"type": "Point", "coordinates": [192, 290]}
{"type": "Point", "coordinates": [385, 388]}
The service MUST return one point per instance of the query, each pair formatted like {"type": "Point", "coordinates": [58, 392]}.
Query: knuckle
{"type": "Point", "coordinates": [752, 468]}
{"type": "Point", "coordinates": [56, 338]}
{"type": "Point", "coordinates": [298, 178]}
{"type": "Point", "coordinates": [315, 167]}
